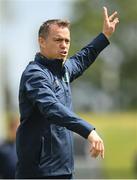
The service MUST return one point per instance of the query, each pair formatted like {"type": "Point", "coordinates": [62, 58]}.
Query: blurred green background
{"type": "Point", "coordinates": [106, 95]}
{"type": "Point", "coordinates": [119, 132]}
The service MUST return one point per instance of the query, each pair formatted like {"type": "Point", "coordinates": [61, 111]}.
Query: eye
{"type": "Point", "coordinates": [67, 41]}
{"type": "Point", "coordinates": [57, 40]}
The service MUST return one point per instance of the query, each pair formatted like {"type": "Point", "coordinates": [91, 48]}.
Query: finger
{"type": "Point", "coordinates": [112, 16]}
{"type": "Point", "coordinates": [100, 146]}
{"type": "Point", "coordinates": [94, 153]}
{"type": "Point", "coordinates": [102, 150]}
{"type": "Point", "coordinates": [102, 154]}
{"type": "Point", "coordinates": [105, 13]}
{"type": "Point", "coordinates": [93, 144]}
{"type": "Point", "coordinates": [115, 21]}
{"type": "Point", "coordinates": [99, 149]}
{"type": "Point", "coordinates": [92, 147]}
{"type": "Point", "coordinates": [91, 150]}
{"type": "Point", "coordinates": [97, 146]}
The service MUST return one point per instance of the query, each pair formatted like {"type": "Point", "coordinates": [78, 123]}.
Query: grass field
{"type": "Point", "coordinates": [119, 132]}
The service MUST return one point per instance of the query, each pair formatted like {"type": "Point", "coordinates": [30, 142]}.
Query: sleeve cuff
{"type": "Point", "coordinates": [84, 129]}
{"type": "Point", "coordinates": [100, 42]}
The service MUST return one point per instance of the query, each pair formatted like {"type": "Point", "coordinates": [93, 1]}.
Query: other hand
{"type": "Point", "coordinates": [97, 144]}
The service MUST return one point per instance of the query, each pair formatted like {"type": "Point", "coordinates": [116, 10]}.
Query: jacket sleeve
{"type": "Point", "coordinates": [39, 92]}
{"type": "Point", "coordinates": [78, 63]}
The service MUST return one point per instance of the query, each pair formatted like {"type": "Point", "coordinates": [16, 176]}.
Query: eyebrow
{"type": "Point", "coordinates": [60, 37]}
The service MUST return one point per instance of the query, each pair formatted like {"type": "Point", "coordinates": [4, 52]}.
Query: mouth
{"type": "Point", "coordinates": [63, 53]}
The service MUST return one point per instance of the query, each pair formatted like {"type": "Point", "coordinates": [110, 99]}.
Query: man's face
{"type": "Point", "coordinates": [56, 44]}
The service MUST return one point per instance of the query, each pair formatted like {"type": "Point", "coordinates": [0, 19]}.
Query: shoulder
{"type": "Point", "coordinates": [35, 74]}
{"type": "Point", "coordinates": [34, 69]}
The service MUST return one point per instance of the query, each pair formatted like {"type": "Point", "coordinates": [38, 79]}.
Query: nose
{"type": "Point", "coordinates": [63, 44]}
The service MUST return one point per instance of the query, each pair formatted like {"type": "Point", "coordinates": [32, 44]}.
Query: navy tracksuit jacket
{"type": "Point", "coordinates": [44, 138]}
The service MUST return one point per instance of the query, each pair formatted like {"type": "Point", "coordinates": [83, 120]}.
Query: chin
{"type": "Point", "coordinates": [63, 58]}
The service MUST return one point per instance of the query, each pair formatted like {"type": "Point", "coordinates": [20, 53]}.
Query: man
{"type": "Point", "coordinates": [44, 137]}
{"type": "Point", "coordinates": [8, 156]}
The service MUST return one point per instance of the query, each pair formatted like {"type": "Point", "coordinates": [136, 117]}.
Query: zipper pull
{"type": "Point", "coordinates": [65, 78]}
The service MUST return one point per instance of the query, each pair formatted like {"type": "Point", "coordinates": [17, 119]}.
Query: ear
{"type": "Point", "coordinates": [42, 42]}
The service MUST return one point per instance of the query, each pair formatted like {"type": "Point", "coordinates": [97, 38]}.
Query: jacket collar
{"type": "Point", "coordinates": [55, 65]}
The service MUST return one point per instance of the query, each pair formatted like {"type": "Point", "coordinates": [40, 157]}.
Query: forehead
{"type": "Point", "coordinates": [56, 30]}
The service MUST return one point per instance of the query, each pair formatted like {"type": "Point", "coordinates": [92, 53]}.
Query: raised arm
{"type": "Point", "coordinates": [78, 63]}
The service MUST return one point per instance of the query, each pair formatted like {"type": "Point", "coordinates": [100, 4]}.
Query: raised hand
{"type": "Point", "coordinates": [110, 22]}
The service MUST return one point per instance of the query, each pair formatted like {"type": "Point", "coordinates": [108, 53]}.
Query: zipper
{"type": "Point", "coordinates": [64, 91]}
{"type": "Point", "coordinates": [71, 150]}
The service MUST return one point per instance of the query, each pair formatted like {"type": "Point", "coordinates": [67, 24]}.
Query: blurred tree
{"type": "Point", "coordinates": [115, 76]}
{"type": "Point", "coordinates": [6, 17]}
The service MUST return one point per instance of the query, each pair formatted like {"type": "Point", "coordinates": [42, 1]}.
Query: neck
{"type": "Point", "coordinates": [45, 56]}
